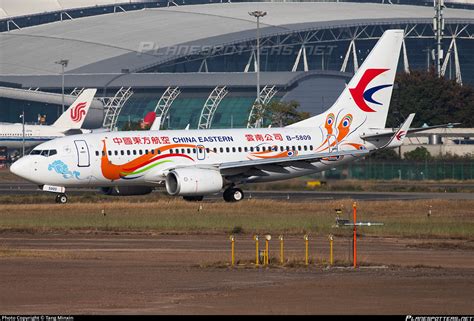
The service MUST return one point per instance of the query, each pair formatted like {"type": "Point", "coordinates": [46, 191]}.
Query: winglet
{"type": "Point", "coordinates": [156, 124]}
{"type": "Point", "coordinates": [399, 136]}
{"type": "Point", "coordinates": [74, 116]}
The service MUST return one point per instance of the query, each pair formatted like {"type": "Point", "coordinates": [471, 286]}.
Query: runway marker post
{"type": "Point", "coordinates": [282, 260]}
{"type": "Point", "coordinates": [256, 250]}
{"type": "Point", "coordinates": [232, 240]}
{"type": "Point", "coordinates": [268, 237]}
{"type": "Point", "coordinates": [306, 241]}
{"type": "Point", "coordinates": [354, 246]}
{"type": "Point", "coordinates": [331, 253]}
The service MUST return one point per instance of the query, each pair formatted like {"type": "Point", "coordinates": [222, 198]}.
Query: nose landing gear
{"type": "Point", "coordinates": [233, 194]}
{"type": "Point", "coordinates": [61, 198]}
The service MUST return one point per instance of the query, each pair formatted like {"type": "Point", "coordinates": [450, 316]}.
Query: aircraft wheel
{"type": "Point", "coordinates": [61, 198]}
{"type": "Point", "coordinates": [193, 198]}
{"type": "Point", "coordinates": [233, 195]}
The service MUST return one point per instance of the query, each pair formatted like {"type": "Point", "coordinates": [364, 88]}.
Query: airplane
{"type": "Point", "coordinates": [196, 163]}
{"type": "Point", "coordinates": [69, 123]}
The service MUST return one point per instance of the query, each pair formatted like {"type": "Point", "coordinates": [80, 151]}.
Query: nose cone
{"type": "Point", "coordinates": [21, 168]}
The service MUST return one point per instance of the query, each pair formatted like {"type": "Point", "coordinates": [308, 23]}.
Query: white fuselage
{"type": "Point", "coordinates": [11, 135]}
{"type": "Point", "coordinates": [145, 157]}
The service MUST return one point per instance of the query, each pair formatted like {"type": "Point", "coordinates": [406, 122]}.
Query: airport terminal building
{"type": "Point", "coordinates": [195, 63]}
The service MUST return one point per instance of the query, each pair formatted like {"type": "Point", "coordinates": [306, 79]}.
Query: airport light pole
{"type": "Point", "coordinates": [438, 28]}
{"type": "Point", "coordinates": [258, 15]}
{"type": "Point", "coordinates": [22, 116]}
{"type": "Point", "coordinates": [63, 63]}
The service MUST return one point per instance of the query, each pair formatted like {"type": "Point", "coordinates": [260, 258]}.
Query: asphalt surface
{"type": "Point", "coordinates": [26, 188]}
{"type": "Point", "coordinates": [189, 274]}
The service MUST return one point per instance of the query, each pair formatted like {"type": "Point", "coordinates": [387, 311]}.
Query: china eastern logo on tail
{"type": "Point", "coordinates": [361, 94]}
{"type": "Point", "coordinates": [78, 112]}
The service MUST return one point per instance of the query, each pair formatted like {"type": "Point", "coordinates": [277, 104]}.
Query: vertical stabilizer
{"type": "Point", "coordinates": [74, 116]}
{"type": "Point", "coordinates": [367, 96]}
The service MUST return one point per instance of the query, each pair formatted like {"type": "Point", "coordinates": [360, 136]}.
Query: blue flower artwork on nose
{"type": "Point", "coordinates": [61, 168]}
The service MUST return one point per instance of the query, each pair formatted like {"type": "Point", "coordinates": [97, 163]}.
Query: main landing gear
{"type": "Point", "coordinates": [233, 194]}
{"type": "Point", "coordinates": [61, 198]}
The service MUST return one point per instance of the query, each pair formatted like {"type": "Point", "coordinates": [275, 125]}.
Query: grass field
{"type": "Point", "coordinates": [448, 219]}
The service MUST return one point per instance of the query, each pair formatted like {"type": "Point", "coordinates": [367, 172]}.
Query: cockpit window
{"type": "Point", "coordinates": [44, 152]}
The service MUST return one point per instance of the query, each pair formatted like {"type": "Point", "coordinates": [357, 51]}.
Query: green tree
{"type": "Point", "coordinates": [418, 154]}
{"type": "Point", "coordinates": [384, 154]}
{"type": "Point", "coordinates": [279, 113]}
{"type": "Point", "coordinates": [435, 100]}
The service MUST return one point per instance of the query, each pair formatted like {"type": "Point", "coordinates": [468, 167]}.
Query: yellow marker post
{"type": "Point", "coordinates": [331, 256]}
{"type": "Point", "coordinates": [306, 239]}
{"type": "Point", "coordinates": [268, 237]}
{"type": "Point", "coordinates": [232, 240]}
{"type": "Point", "coordinates": [282, 260]}
{"type": "Point", "coordinates": [256, 250]}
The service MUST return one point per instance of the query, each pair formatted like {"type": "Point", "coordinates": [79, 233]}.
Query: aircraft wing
{"type": "Point", "coordinates": [409, 131]}
{"type": "Point", "coordinates": [276, 164]}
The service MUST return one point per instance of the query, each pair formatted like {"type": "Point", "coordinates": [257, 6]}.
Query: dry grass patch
{"type": "Point", "coordinates": [452, 219]}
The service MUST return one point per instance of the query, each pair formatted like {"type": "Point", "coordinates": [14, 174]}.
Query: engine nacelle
{"type": "Point", "coordinates": [126, 190]}
{"type": "Point", "coordinates": [193, 182]}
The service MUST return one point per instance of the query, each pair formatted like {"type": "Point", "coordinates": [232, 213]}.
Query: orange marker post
{"type": "Point", "coordinates": [354, 207]}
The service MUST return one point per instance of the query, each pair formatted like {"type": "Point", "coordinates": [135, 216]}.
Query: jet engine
{"type": "Point", "coordinates": [126, 190]}
{"type": "Point", "coordinates": [193, 182]}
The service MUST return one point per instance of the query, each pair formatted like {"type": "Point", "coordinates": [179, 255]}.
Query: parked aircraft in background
{"type": "Point", "coordinates": [195, 163]}
{"type": "Point", "coordinates": [69, 123]}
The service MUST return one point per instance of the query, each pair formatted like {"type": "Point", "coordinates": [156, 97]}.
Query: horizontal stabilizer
{"type": "Point", "coordinates": [410, 131]}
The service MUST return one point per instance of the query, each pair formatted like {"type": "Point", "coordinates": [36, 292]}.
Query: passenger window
{"type": "Point", "coordinates": [251, 149]}
{"type": "Point", "coordinates": [183, 151]}
{"type": "Point", "coordinates": [310, 147]}
{"type": "Point", "coordinates": [103, 153]}
{"type": "Point", "coordinates": [299, 148]}
{"type": "Point", "coordinates": [227, 149]}
{"type": "Point", "coordinates": [246, 149]}
{"type": "Point", "coordinates": [146, 151]}
{"type": "Point", "coordinates": [222, 150]}
{"type": "Point", "coordinates": [215, 149]}
{"type": "Point", "coordinates": [240, 149]}
{"type": "Point", "coordinates": [122, 152]}
{"type": "Point", "coordinates": [140, 152]}
{"type": "Point", "coordinates": [194, 151]}
{"type": "Point", "coordinates": [257, 149]}
{"type": "Point", "coordinates": [200, 150]}
{"type": "Point", "coordinates": [109, 152]}
{"type": "Point", "coordinates": [287, 148]}
{"type": "Point", "coordinates": [96, 153]}
{"type": "Point", "coordinates": [159, 151]}
{"type": "Point", "coordinates": [233, 149]}
{"type": "Point", "coordinates": [153, 151]}
{"type": "Point", "coordinates": [293, 148]}
{"type": "Point", "coordinates": [207, 150]}
{"type": "Point", "coordinates": [116, 153]}
{"type": "Point", "coordinates": [189, 150]}
{"type": "Point", "coordinates": [305, 147]}
{"type": "Point", "coordinates": [134, 152]}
